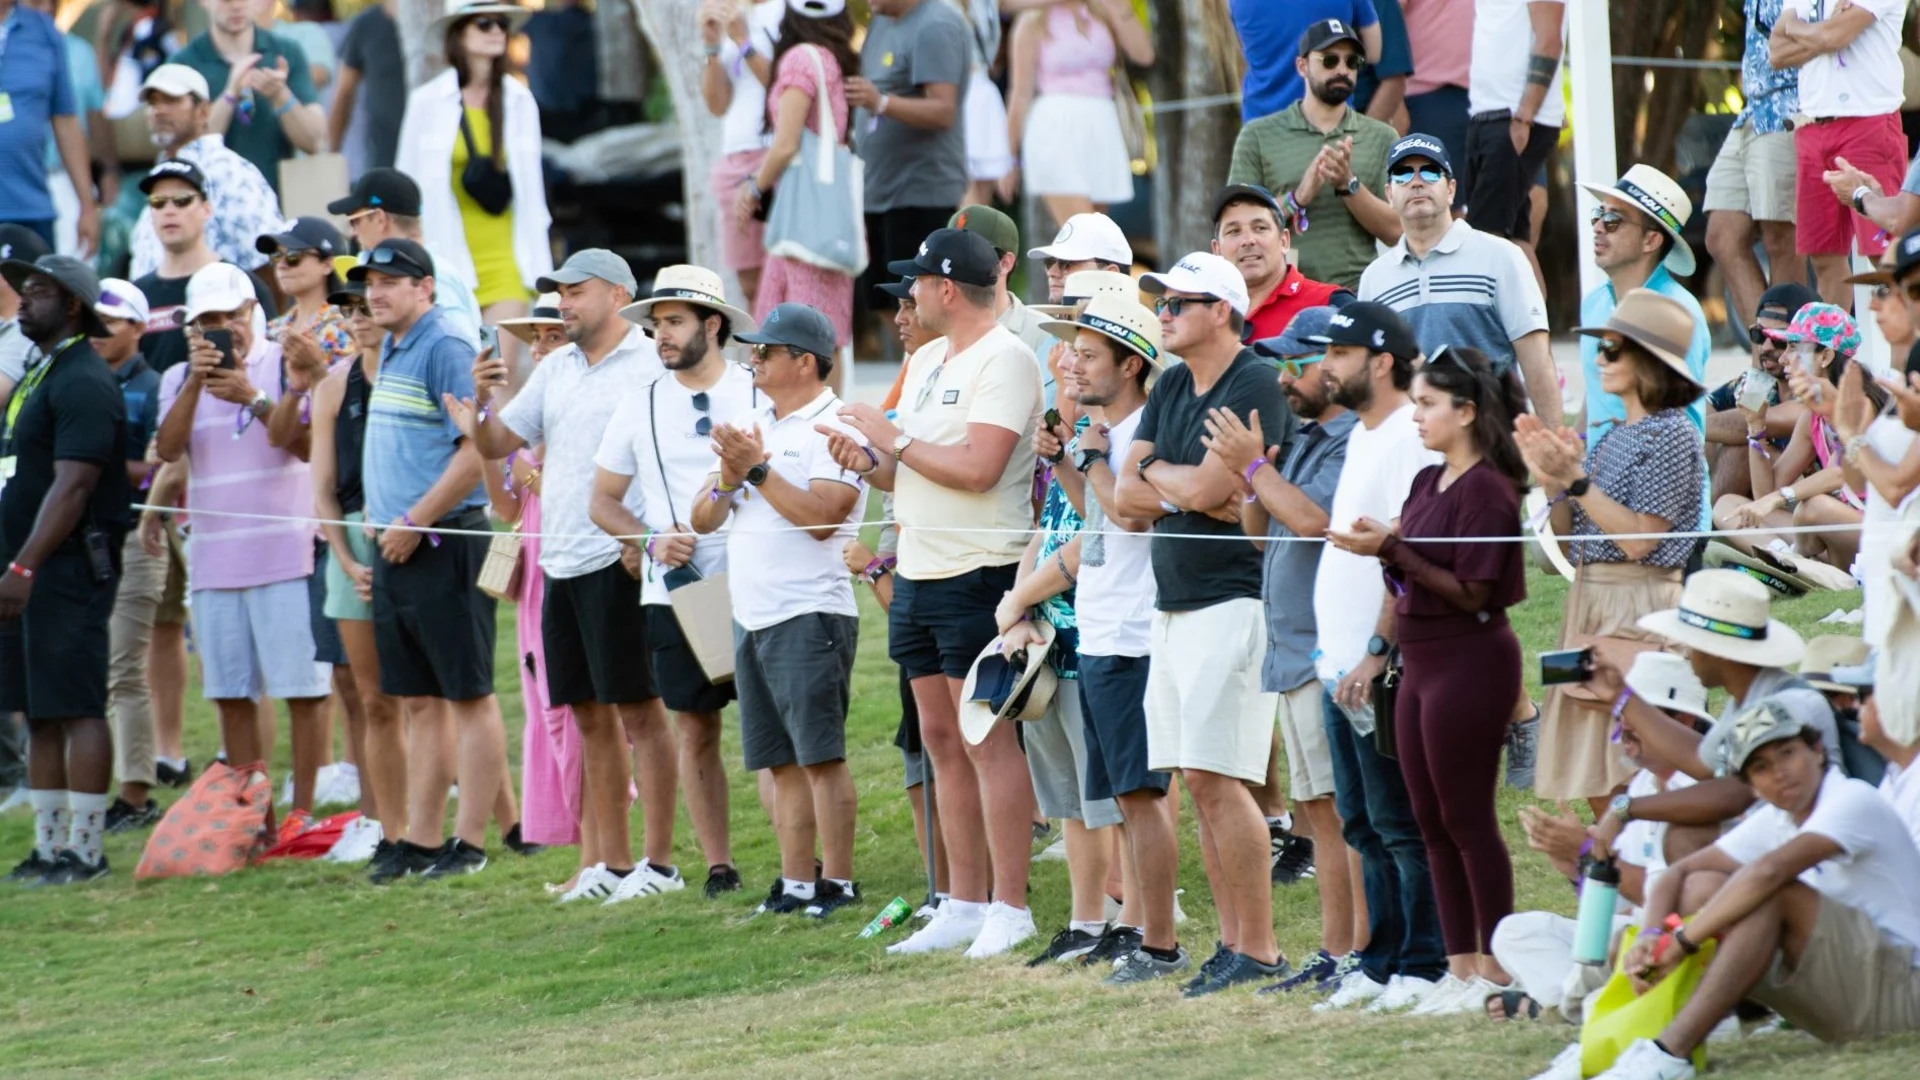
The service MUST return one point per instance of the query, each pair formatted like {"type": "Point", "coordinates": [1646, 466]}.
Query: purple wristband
{"type": "Point", "coordinates": [432, 537]}
{"type": "Point", "coordinates": [1258, 464]}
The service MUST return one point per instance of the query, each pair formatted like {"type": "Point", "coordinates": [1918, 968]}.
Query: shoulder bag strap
{"type": "Point", "coordinates": [653, 431]}
{"type": "Point", "coordinates": [466, 134]}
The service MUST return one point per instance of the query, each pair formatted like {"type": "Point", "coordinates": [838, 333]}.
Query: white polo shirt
{"type": "Point", "coordinates": [665, 413]}
{"type": "Point", "coordinates": [775, 571]}
{"type": "Point", "coordinates": [1503, 47]}
{"type": "Point", "coordinates": [1863, 79]}
{"type": "Point", "coordinates": [567, 405]}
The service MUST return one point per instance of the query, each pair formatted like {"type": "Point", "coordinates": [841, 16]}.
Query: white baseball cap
{"type": "Point", "coordinates": [220, 287]}
{"type": "Point", "coordinates": [1087, 236]}
{"type": "Point", "coordinates": [177, 80]}
{"type": "Point", "coordinates": [1202, 272]}
{"type": "Point", "coordinates": [121, 299]}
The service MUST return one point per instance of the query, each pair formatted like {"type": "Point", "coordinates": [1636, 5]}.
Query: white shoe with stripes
{"type": "Point", "coordinates": [646, 881]}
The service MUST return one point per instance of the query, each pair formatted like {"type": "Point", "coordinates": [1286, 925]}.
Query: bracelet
{"type": "Point", "coordinates": [288, 107]}
{"type": "Point", "coordinates": [432, 537]}
{"type": "Point", "coordinates": [647, 545]}
{"type": "Point", "coordinates": [877, 569]}
{"type": "Point", "coordinates": [1296, 211]}
{"type": "Point", "coordinates": [16, 568]}
{"type": "Point", "coordinates": [880, 107]}
{"type": "Point", "coordinates": [1859, 199]}
{"type": "Point", "coordinates": [1258, 464]}
{"type": "Point", "coordinates": [1686, 945]}
{"type": "Point", "coordinates": [1620, 704]}
{"type": "Point", "coordinates": [1586, 849]}
{"type": "Point", "coordinates": [1855, 447]}
{"type": "Point", "coordinates": [1759, 446]}
{"type": "Point", "coordinates": [230, 99]}
{"type": "Point", "coordinates": [1060, 563]}
{"type": "Point", "coordinates": [724, 488]}
{"type": "Point", "coordinates": [712, 51]}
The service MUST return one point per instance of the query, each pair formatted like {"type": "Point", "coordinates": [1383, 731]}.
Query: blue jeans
{"type": "Point", "coordinates": [1377, 821]}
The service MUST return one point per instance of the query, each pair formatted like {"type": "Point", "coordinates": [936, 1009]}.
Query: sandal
{"type": "Point", "coordinates": [1512, 1005]}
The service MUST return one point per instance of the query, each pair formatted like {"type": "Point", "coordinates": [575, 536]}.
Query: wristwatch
{"type": "Point", "coordinates": [1141, 468]}
{"type": "Point", "coordinates": [1787, 497]}
{"type": "Point", "coordinates": [1084, 459]}
{"type": "Point", "coordinates": [1860, 199]}
{"type": "Point", "coordinates": [1621, 807]}
{"type": "Point", "coordinates": [1377, 646]}
{"type": "Point", "coordinates": [900, 444]}
{"type": "Point", "coordinates": [757, 475]}
{"type": "Point", "coordinates": [1351, 189]}
{"type": "Point", "coordinates": [1579, 488]}
{"type": "Point", "coordinates": [261, 405]}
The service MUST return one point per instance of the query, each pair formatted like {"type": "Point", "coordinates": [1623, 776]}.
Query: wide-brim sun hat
{"type": "Point", "coordinates": [1083, 285]}
{"type": "Point", "coordinates": [1829, 653]}
{"type": "Point", "coordinates": [1724, 613]}
{"type": "Point", "coordinates": [546, 312]}
{"type": "Point", "coordinates": [1018, 688]}
{"type": "Point", "coordinates": [1656, 323]}
{"type": "Point", "coordinates": [1781, 582]}
{"type": "Point", "coordinates": [1666, 680]}
{"type": "Point", "coordinates": [1656, 195]}
{"type": "Point", "coordinates": [687, 284]}
{"type": "Point", "coordinates": [1123, 320]}
{"type": "Point", "coordinates": [516, 16]}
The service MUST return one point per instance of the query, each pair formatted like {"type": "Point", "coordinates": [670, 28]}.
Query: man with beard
{"type": "Point", "coordinates": [1250, 231]}
{"type": "Point", "coordinates": [1729, 427]}
{"type": "Point", "coordinates": [244, 206]}
{"type": "Point", "coordinates": [1327, 161]}
{"type": "Point", "coordinates": [1291, 499]}
{"type": "Point", "coordinates": [592, 624]}
{"type": "Point", "coordinates": [62, 515]}
{"type": "Point", "coordinates": [661, 438]}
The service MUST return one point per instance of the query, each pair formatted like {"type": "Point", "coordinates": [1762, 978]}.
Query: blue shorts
{"type": "Point", "coordinates": [938, 627]}
{"type": "Point", "coordinates": [1113, 695]}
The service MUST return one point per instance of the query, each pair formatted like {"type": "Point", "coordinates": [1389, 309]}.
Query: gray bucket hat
{"type": "Point", "coordinates": [71, 274]}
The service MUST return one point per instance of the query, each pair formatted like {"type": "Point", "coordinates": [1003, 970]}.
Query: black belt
{"type": "Point", "coordinates": [473, 518]}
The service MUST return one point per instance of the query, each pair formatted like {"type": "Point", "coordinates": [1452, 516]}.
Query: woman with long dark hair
{"type": "Point", "coordinates": [1461, 658]}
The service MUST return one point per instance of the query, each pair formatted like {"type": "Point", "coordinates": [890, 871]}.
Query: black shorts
{"type": "Point", "coordinates": [938, 627]}
{"type": "Point", "coordinates": [1500, 201]}
{"type": "Point", "coordinates": [327, 647]}
{"type": "Point", "coordinates": [795, 679]}
{"type": "Point", "coordinates": [677, 675]}
{"type": "Point", "coordinates": [593, 629]}
{"type": "Point", "coordinates": [1113, 693]}
{"type": "Point", "coordinates": [53, 658]}
{"type": "Point", "coordinates": [433, 629]}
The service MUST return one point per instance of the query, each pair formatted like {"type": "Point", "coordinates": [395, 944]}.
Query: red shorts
{"type": "Point", "coordinates": [1873, 144]}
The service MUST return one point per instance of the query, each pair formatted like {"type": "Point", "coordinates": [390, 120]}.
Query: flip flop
{"type": "Point", "coordinates": [1513, 1005]}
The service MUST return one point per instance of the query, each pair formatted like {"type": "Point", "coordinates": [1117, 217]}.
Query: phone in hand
{"type": "Point", "coordinates": [1756, 389]}
{"type": "Point", "coordinates": [221, 339]}
{"type": "Point", "coordinates": [490, 339]}
{"type": "Point", "coordinates": [1563, 666]}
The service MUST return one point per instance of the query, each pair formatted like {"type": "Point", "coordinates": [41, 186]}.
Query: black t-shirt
{"type": "Point", "coordinates": [74, 413]}
{"type": "Point", "coordinates": [165, 342]}
{"type": "Point", "coordinates": [1194, 574]}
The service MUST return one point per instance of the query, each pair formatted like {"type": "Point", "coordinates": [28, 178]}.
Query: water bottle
{"type": "Point", "coordinates": [1361, 717]}
{"type": "Point", "coordinates": [1599, 897]}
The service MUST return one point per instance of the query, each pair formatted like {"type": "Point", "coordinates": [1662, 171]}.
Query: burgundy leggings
{"type": "Point", "coordinates": [1450, 718]}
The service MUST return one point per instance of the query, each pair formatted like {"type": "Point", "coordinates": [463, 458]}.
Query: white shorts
{"type": "Point", "coordinates": [1303, 731]}
{"type": "Point", "coordinates": [1205, 708]}
{"type": "Point", "coordinates": [258, 639]}
{"type": "Point", "coordinates": [1072, 145]}
{"type": "Point", "coordinates": [1753, 174]}
{"type": "Point", "coordinates": [989, 156]}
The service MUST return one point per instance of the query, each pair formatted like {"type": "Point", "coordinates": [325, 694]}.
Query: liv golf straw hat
{"type": "Point", "coordinates": [1119, 318]}
{"type": "Point", "coordinates": [1655, 194]}
{"type": "Point", "coordinates": [999, 688]}
{"type": "Point", "coordinates": [688, 284]}
{"type": "Point", "coordinates": [1724, 613]}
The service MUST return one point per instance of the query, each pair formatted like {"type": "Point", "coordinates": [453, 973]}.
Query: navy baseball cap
{"type": "Point", "coordinates": [174, 169]}
{"type": "Point", "coordinates": [1906, 255]}
{"type": "Point", "coordinates": [1326, 33]}
{"type": "Point", "coordinates": [1373, 325]}
{"type": "Point", "coordinates": [1419, 145]}
{"type": "Point", "coordinates": [966, 257]}
{"type": "Point", "coordinates": [380, 189]}
{"type": "Point", "coordinates": [1296, 339]}
{"type": "Point", "coordinates": [796, 326]}
{"type": "Point", "coordinates": [306, 234]}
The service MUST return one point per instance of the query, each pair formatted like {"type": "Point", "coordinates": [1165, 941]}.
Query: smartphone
{"type": "Point", "coordinates": [1566, 666]}
{"type": "Point", "coordinates": [221, 339]}
{"type": "Point", "coordinates": [490, 338]}
{"type": "Point", "coordinates": [1756, 389]}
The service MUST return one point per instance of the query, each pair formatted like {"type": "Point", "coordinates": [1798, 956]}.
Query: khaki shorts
{"type": "Point", "coordinates": [1853, 982]}
{"type": "Point", "coordinates": [1303, 731]}
{"type": "Point", "coordinates": [1205, 708]}
{"type": "Point", "coordinates": [1753, 174]}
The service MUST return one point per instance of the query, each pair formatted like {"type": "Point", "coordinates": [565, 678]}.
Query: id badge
{"type": "Point", "coordinates": [6, 107]}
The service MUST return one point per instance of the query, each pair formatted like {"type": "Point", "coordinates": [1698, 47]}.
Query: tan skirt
{"type": "Point", "coordinates": [1577, 760]}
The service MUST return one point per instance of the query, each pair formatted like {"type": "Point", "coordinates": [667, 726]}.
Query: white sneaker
{"type": "Point", "coordinates": [337, 785]}
{"type": "Point", "coordinates": [646, 881]}
{"type": "Point", "coordinates": [596, 882]}
{"type": "Point", "coordinates": [1440, 1001]}
{"type": "Point", "coordinates": [1565, 1066]}
{"type": "Point", "coordinates": [357, 841]}
{"type": "Point", "coordinates": [1054, 852]}
{"type": "Point", "coordinates": [1458, 997]}
{"type": "Point", "coordinates": [1403, 992]}
{"type": "Point", "coordinates": [1354, 991]}
{"type": "Point", "coordinates": [956, 924]}
{"type": "Point", "coordinates": [1003, 928]}
{"type": "Point", "coordinates": [1644, 1060]}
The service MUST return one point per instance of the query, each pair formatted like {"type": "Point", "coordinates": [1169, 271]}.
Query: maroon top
{"type": "Point", "coordinates": [1480, 503]}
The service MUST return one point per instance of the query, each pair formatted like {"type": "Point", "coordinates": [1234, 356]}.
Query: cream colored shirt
{"type": "Point", "coordinates": [996, 381]}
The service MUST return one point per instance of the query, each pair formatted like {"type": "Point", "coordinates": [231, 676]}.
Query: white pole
{"type": "Point", "coordinates": [1589, 56]}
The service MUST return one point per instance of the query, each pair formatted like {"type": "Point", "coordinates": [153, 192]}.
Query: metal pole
{"type": "Point", "coordinates": [1590, 78]}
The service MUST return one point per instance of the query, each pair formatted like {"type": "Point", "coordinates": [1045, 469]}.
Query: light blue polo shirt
{"type": "Point", "coordinates": [410, 438]}
{"type": "Point", "coordinates": [38, 87]}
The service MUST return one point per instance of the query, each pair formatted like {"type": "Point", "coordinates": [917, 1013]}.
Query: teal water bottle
{"type": "Point", "coordinates": [1599, 897]}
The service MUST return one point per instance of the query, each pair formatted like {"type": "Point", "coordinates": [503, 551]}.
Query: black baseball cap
{"type": "Point", "coordinates": [1905, 257]}
{"type": "Point", "coordinates": [796, 326]}
{"type": "Point", "coordinates": [1783, 300]}
{"type": "Point", "coordinates": [1374, 325]}
{"type": "Point", "coordinates": [965, 257]}
{"type": "Point", "coordinates": [899, 290]}
{"type": "Point", "coordinates": [397, 256]}
{"type": "Point", "coordinates": [1328, 32]}
{"type": "Point", "coordinates": [306, 234]}
{"type": "Point", "coordinates": [1418, 144]}
{"type": "Point", "coordinates": [22, 243]}
{"type": "Point", "coordinates": [174, 169]}
{"type": "Point", "coordinates": [1234, 193]}
{"type": "Point", "coordinates": [380, 189]}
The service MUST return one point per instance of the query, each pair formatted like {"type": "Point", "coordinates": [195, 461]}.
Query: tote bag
{"type": "Point", "coordinates": [818, 214]}
{"type": "Point", "coordinates": [222, 824]}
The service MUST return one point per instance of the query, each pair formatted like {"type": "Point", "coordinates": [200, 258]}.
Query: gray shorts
{"type": "Point", "coordinates": [913, 768]}
{"type": "Point", "coordinates": [1057, 760]}
{"type": "Point", "coordinates": [258, 639]}
{"type": "Point", "coordinates": [795, 679]}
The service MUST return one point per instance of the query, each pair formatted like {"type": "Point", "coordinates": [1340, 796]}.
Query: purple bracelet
{"type": "Point", "coordinates": [432, 537]}
{"type": "Point", "coordinates": [1258, 464]}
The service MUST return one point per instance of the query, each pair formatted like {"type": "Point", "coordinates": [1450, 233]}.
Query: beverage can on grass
{"type": "Point", "coordinates": [892, 915]}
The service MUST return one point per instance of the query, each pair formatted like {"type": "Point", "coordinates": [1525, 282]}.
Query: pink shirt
{"type": "Point", "coordinates": [243, 474]}
{"type": "Point", "coordinates": [1073, 62]}
{"type": "Point", "coordinates": [796, 72]}
{"type": "Point", "coordinates": [1441, 32]}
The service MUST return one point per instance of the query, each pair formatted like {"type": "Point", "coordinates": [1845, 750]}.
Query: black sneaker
{"type": "Point", "coordinates": [32, 869]}
{"type": "Point", "coordinates": [1068, 945]}
{"type": "Point", "coordinates": [519, 846]}
{"type": "Point", "coordinates": [123, 816]}
{"type": "Point", "coordinates": [1115, 945]}
{"type": "Point", "coordinates": [1293, 860]}
{"type": "Point", "coordinates": [830, 896]}
{"type": "Point", "coordinates": [395, 859]}
{"type": "Point", "coordinates": [70, 869]}
{"type": "Point", "coordinates": [722, 879]}
{"type": "Point", "coordinates": [781, 902]}
{"type": "Point", "coordinates": [456, 858]}
{"type": "Point", "coordinates": [1523, 747]}
{"type": "Point", "coordinates": [168, 776]}
{"type": "Point", "coordinates": [1221, 955]}
{"type": "Point", "coordinates": [1308, 975]}
{"type": "Point", "coordinates": [1237, 968]}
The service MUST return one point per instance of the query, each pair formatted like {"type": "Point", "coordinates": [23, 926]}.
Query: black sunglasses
{"type": "Point", "coordinates": [1334, 60]}
{"type": "Point", "coordinates": [491, 22]}
{"type": "Point", "coordinates": [1757, 334]}
{"type": "Point", "coordinates": [1610, 220]}
{"type": "Point", "coordinates": [1176, 305]}
{"type": "Point", "coordinates": [703, 405]}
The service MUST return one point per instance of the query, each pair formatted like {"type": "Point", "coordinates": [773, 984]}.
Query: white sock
{"type": "Point", "coordinates": [1285, 821]}
{"type": "Point", "coordinates": [799, 890]}
{"type": "Point", "coordinates": [846, 884]}
{"type": "Point", "coordinates": [50, 817]}
{"type": "Point", "coordinates": [1096, 927]}
{"type": "Point", "coordinates": [88, 825]}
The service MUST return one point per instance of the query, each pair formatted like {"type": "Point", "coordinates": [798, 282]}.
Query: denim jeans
{"type": "Point", "coordinates": [1377, 822]}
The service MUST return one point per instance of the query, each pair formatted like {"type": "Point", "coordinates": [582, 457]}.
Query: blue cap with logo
{"type": "Point", "coordinates": [1417, 144]}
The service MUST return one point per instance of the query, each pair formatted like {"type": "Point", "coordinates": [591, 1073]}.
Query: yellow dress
{"type": "Point", "coordinates": [489, 238]}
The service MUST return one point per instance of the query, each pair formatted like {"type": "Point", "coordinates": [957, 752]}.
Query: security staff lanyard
{"type": "Point", "coordinates": [27, 386]}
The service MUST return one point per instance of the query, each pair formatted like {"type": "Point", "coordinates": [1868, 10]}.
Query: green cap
{"type": "Point", "coordinates": [993, 226]}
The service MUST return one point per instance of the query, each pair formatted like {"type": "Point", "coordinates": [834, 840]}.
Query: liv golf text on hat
{"type": "Point", "coordinates": [1656, 195]}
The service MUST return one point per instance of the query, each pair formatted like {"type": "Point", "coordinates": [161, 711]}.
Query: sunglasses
{"type": "Point", "coordinates": [178, 202]}
{"type": "Point", "coordinates": [1757, 334]}
{"type": "Point", "coordinates": [1297, 365]}
{"type": "Point", "coordinates": [703, 405]}
{"type": "Point", "coordinates": [291, 259]}
{"type": "Point", "coordinates": [1881, 292]}
{"type": "Point", "coordinates": [1332, 61]}
{"type": "Point", "coordinates": [1611, 351]}
{"type": "Point", "coordinates": [1428, 174]}
{"type": "Point", "coordinates": [354, 309]}
{"type": "Point", "coordinates": [1445, 355]}
{"type": "Point", "coordinates": [1177, 305]}
{"type": "Point", "coordinates": [490, 22]}
{"type": "Point", "coordinates": [1610, 220]}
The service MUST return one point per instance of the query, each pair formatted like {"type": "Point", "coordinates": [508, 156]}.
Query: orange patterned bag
{"type": "Point", "coordinates": [223, 823]}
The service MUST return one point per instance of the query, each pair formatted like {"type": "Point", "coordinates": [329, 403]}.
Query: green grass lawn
{"type": "Point", "coordinates": [306, 970]}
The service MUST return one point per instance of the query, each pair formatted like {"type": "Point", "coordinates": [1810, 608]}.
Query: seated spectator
{"type": "Point", "coordinates": [1728, 425]}
{"type": "Point", "coordinates": [1250, 230]}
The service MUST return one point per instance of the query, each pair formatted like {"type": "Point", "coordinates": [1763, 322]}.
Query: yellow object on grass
{"type": "Point", "coordinates": [1616, 1017]}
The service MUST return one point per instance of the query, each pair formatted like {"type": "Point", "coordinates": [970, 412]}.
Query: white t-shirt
{"type": "Point", "coordinates": [1878, 870]}
{"type": "Point", "coordinates": [1114, 598]}
{"type": "Point", "coordinates": [996, 381]}
{"type": "Point", "coordinates": [685, 457]}
{"type": "Point", "coordinates": [1863, 79]}
{"type": "Point", "coordinates": [743, 125]}
{"type": "Point", "coordinates": [1902, 789]}
{"type": "Point", "coordinates": [567, 404]}
{"type": "Point", "coordinates": [1348, 589]}
{"type": "Point", "coordinates": [1644, 843]}
{"type": "Point", "coordinates": [775, 572]}
{"type": "Point", "coordinates": [1498, 73]}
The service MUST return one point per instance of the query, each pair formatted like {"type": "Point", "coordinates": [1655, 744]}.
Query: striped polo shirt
{"type": "Point", "coordinates": [1473, 289]}
{"type": "Point", "coordinates": [410, 438]}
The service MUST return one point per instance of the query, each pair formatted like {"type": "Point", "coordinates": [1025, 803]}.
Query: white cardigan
{"type": "Point", "coordinates": [427, 137]}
